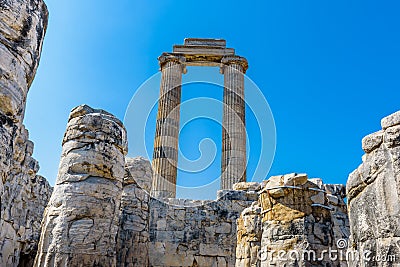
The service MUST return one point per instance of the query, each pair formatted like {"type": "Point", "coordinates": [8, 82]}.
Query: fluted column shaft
{"type": "Point", "coordinates": [165, 155]}
{"type": "Point", "coordinates": [233, 165]}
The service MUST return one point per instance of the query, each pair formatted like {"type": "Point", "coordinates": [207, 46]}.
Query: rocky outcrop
{"type": "Point", "coordinates": [296, 222]}
{"type": "Point", "coordinates": [81, 221]}
{"type": "Point", "coordinates": [23, 193]}
{"type": "Point", "coordinates": [373, 198]}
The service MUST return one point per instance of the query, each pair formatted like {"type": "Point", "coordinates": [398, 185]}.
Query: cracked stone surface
{"type": "Point", "coordinates": [24, 194]}
{"type": "Point", "coordinates": [133, 234]}
{"type": "Point", "coordinates": [373, 197]}
{"type": "Point", "coordinates": [293, 214]}
{"type": "Point", "coordinates": [194, 232]}
{"type": "Point", "coordinates": [22, 28]}
{"type": "Point", "coordinates": [81, 221]}
{"type": "Point", "coordinates": [100, 212]}
{"type": "Point", "coordinates": [139, 172]}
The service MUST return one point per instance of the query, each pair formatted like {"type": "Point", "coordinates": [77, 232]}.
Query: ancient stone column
{"type": "Point", "coordinates": [81, 220]}
{"type": "Point", "coordinates": [233, 165]}
{"type": "Point", "coordinates": [165, 156]}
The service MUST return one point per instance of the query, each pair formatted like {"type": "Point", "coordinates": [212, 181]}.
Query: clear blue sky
{"type": "Point", "coordinates": [329, 70]}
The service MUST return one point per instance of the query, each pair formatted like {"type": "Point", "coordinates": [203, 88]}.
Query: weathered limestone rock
{"type": "Point", "coordinates": [372, 141]}
{"type": "Point", "coordinates": [24, 196]}
{"type": "Point", "coordinates": [133, 234]}
{"type": "Point", "coordinates": [194, 232]}
{"type": "Point", "coordinates": [294, 222]}
{"type": "Point", "coordinates": [249, 232]}
{"type": "Point", "coordinates": [373, 199]}
{"type": "Point", "coordinates": [391, 120]}
{"type": "Point", "coordinates": [81, 221]}
{"type": "Point", "coordinates": [247, 186]}
{"type": "Point", "coordinates": [139, 171]}
{"type": "Point", "coordinates": [23, 193]}
{"type": "Point", "coordinates": [22, 29]}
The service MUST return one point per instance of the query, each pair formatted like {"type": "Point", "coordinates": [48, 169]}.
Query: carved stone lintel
{"type": "Point", "coordinates": [168, 57]}
{"type": "Point", "coordinates": [229, 60]}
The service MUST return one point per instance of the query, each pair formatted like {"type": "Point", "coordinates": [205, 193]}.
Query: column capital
{"type": "Point", "coordinates": [168, 57]}
{"type": "Point", "coordinates": [230, 60]}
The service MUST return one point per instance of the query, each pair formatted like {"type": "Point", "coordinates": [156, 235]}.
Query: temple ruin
{"type": "Point", "coordinates": [199, 52]}
{"type": "Point", "coordinates": [100, 212]}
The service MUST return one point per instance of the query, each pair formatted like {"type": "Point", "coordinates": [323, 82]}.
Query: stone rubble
{"type": "Point", "coordinates": [373, 198]}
